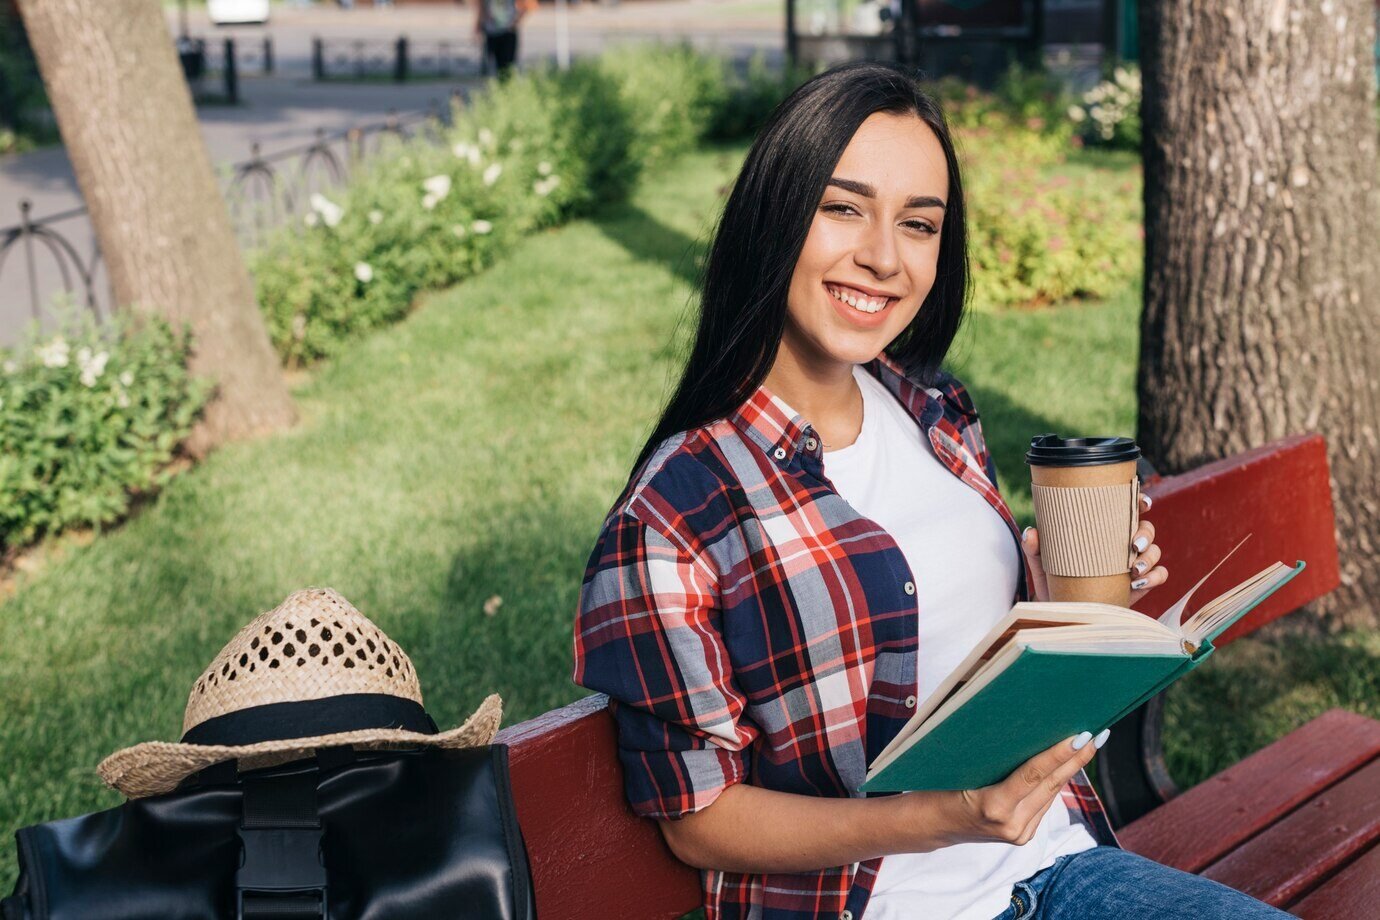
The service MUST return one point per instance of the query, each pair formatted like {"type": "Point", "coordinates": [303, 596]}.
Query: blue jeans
{"type": "Point", "coordinates": [1106, 883]}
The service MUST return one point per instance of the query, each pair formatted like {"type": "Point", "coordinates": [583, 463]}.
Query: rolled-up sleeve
{"type": "Point", "coordinates": [648, 634]}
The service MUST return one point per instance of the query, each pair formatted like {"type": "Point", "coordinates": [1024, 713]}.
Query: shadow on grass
{"type": "Point", "coordinates": [649, 240]}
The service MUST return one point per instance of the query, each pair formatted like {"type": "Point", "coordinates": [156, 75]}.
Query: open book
{"type": "Point", "coordinates": [1048, 671]}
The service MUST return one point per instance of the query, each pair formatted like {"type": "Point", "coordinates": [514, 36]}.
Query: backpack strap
{"type": "Point", "coordinates": [281, 875]}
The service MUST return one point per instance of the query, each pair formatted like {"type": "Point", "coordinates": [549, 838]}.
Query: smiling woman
{"type": "Point", "coordinates": [812, 538]}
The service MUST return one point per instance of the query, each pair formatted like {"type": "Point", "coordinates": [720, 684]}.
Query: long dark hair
{"type": "Point", "coordinates": [763, 228]}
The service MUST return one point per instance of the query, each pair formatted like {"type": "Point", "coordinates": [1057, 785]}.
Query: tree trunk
{"type": "Point", "coordinates": [129, 127]}
{"type": "Point", "coordinates": [1262, 250]}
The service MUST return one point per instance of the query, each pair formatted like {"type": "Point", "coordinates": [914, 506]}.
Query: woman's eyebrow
{"type": "Point", "coordinates": [867, 191]}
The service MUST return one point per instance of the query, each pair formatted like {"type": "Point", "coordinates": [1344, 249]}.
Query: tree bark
{"type": "Point", "coordinates": [1262, 251]}
{"type": "Point", "coordinates": [127, 121]}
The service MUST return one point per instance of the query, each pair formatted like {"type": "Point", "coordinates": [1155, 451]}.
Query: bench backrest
{"type": "Point", "coordinates": [591, 857]}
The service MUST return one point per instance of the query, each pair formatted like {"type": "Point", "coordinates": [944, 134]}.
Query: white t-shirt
{"type": "Point", "coordinates": [965, 564]}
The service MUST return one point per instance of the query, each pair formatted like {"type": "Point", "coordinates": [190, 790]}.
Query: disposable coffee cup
{"type": "Point", "coordinates": [1087, 509]}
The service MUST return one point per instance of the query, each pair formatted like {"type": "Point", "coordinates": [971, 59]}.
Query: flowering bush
{"type": "Point", "coordinates": [1037, 234]}
{"type": "Point", "coordinates": [1110, 112]}
{"type": "Point", "coordinates": [88, 420]}
{"type": "Point", "coordinates": [526, 153]}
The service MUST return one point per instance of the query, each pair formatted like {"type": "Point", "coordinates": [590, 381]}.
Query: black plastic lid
{"type": "Point", "coordinates": [1052, 450]}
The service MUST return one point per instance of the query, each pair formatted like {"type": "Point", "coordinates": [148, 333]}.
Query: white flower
{"type": "Point", "coordinates": [476, 158]}
{"type": "Point", "coordinates": [492, 172]}
{"type": "Point", "coordinates": [481, 226]}
{"type": "Point", "coordinates": [543, 187]}
{"type": "Point", "coordinates": [364, 272]}
{"type": "Point", "coordinates": [1076, 113]}
{"type": "Point", "coordinates": [375, 217]}
{"type": "Point", "coordinates": [127, 379]}
{"type": "Point", "coordinates": [10, 367]}
{"type": "Point", "coordinates": [486, 137]}
{"type": "Point", "coordinates": [122, 399]}
{"type": "Point", "coordinates": [330, 211]}
{"type": "Point", "coordinates": [54, 354]}
{"type": "Point", "coordinates": [437, 186]}
{"type": "Point", "coordinates": [311, 219]}
{"type": "Point", "coordinates": [458, 230]}
{"type": "Point", "coordinates": [544, 168]}
{"type": "Point", "coordinates": [461, 150]}
{"type": "Point", "coordinates": [428, 201]}
{"type": "Point", "coordinates": [92, 366]}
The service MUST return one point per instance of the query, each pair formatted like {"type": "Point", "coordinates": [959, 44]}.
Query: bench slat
{"type": "Point", "coordinates": [1290, 857]}
{"type": "Point", "coordinates": [590, 855]}
{"type": "Point", "coordinates": [1209, 820]}
{"type": "Point", "coordinates": [1353, 892]}
{"type": "Point", "coordinates": [1279, 493]}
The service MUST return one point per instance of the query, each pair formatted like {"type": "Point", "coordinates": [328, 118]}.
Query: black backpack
{"type": "Point", "coordinates": [345, 835]}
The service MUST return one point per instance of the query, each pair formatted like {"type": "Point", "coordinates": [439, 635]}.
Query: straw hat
{"type": "Point", "coordinates": [313, 672]}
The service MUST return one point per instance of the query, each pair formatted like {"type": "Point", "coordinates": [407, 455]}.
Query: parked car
{"type": "Point", "coordinates": [227, 12]}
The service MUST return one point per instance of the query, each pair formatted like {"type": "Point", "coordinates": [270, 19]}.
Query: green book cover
{"type": "Point", "coordinates": [1039, 699]}
{"type": "Point", "coordinates": [1016, 716]}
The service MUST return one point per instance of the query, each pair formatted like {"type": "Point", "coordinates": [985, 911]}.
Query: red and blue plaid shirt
{"type": "Point", "coordinates": [749, 626]}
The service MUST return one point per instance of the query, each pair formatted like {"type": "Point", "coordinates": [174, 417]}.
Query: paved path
{"type": "Point", "coordinates": [285, 110]}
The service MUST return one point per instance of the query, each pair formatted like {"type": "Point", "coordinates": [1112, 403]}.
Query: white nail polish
{"type": "Point", "coordinates": [1139, 583]}
{"type": "Point", "coordinates": [1141, 567]}
{"type": "Point", "coordinates": [1148, 501]}
{"type": "Point", "coordinates": [1101, 738]}
{"type": "Point", "coordinates": [1141, 543]}
{"type": "Point", "coordinates": [1081, 739]}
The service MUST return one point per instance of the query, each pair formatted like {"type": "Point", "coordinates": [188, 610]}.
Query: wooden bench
{"type": "Point", "coordinates": [1293, 824]}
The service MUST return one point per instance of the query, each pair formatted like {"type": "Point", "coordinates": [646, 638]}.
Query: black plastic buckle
{"type": "Point", "coordinates": [282, 873]}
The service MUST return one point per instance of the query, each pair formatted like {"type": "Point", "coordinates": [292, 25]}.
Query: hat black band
{"type": "Point", "coordinates": [309, 718]}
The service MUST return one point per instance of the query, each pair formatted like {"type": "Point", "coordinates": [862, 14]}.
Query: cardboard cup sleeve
{"type": "Point", "coordinates": [1086, 531]}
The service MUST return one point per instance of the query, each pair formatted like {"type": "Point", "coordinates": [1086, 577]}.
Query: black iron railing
{"type": "Point", "coordinates": [48, 254]}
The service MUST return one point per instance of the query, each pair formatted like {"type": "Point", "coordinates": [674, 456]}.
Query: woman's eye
{"type": "Point", "coordinates": [921, 226]}
{"type": "Point", "coordinates": [848, 209]}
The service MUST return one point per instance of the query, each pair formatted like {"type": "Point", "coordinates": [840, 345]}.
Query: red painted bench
{"type": "Point", "coordinates": [1293, 824]}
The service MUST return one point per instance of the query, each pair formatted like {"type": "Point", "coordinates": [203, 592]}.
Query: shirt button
{"type": "Point", "coordinates": [910, 587]}
{"type": "Point", "coordinates": [779, 453]}
{"type": "Point", "coordinates": [910, 702]}
{"type": "Point", "coordinates": [811, 443]}
{"type": "Point", "coordinates": [846, 915]}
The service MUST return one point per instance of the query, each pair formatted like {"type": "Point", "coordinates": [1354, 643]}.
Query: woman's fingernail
{"type": "Point", "coordinates": [1101, 738]}
{"type": "Point", "coordinates": [1148, 501]}
{"type": "Point", "coordinates": [1141, 543]}
{"type": "Point", "coordinates": [1141, 567]}
{"type": "Point", "coordinates": [1025, 535]}
{"type": "Point", "coordinates": [1081, 739]}
{"type": "Point", "coordinates": [1139, 583]}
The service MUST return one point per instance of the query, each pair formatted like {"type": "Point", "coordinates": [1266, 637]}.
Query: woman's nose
{"type": "Point", "coordinates": [877, 251]}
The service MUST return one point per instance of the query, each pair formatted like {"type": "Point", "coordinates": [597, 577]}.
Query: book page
{"type": "Point", "coordinates": [1173, 617]}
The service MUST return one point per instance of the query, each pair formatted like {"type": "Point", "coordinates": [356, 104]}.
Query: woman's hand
{"type": "Point", "coordinates": [1010, 811]}
{"type": "Point", "coordinates": [1146, 573]}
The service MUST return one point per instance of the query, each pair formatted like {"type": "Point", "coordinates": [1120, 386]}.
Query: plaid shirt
{"type": "Point", "coordinates": [748, 625]}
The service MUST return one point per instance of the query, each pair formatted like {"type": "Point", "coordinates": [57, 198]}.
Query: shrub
{"type": "Point", "coordinates": [1039, 235]}
{"type": "Point", "coordinates": [89, 419]}
{"type": "Point", "coordinates": [1109, 115]}
{"type": "Point", "coordinates": [528, 152]}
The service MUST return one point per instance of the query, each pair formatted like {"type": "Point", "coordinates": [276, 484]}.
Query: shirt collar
{"type": "Point", "coordinates": [781, 432]}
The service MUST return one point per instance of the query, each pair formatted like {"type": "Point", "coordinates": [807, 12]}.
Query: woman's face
{"type": "Point", "coordinates": [874, 239]}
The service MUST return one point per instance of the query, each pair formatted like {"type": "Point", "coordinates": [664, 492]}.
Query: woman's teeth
{"type": "Point", "coordinates": [858, 301]}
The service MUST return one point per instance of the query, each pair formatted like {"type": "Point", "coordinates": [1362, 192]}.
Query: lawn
{"type": "Point", "coordinates": [471, 452]}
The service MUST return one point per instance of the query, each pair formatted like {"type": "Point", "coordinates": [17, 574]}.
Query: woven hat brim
{"type": "Point", "coordinates": [156, 767]}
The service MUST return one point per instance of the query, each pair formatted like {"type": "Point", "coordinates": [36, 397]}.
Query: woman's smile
{"type": "Point", "coordinates": [858, 307]}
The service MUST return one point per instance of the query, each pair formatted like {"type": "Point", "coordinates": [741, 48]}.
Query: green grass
{"type": "Point", "coordinates": [472, 451]}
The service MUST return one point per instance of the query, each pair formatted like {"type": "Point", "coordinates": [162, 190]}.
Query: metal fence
{"type": "Point", "coordinates": [58, 253]}
{"type": "Point", "coordinates": [399, 59]}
